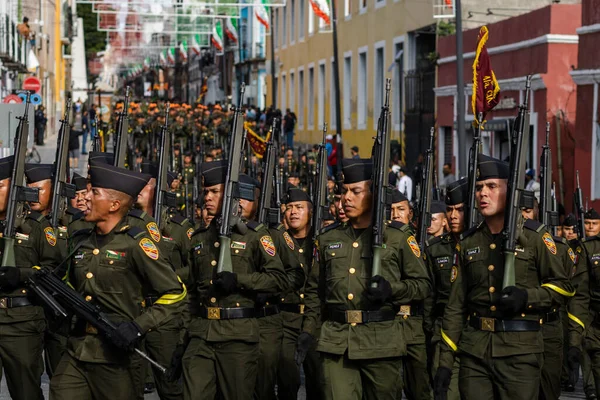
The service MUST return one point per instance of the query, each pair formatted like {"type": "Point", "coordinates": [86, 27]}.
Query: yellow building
{"type": "Point", "coordinates": [377, 39]}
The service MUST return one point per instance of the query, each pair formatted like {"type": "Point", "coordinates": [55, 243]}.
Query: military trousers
{"type": "Point", "coordinates": [453, 393]}
{"type": "Point", "coordinates": [591, 344]}
{"type": "Point", "coordinates": [21, 346]}
{"type": "Point", "coordinates": [288, 374]}
{"type": "Point", "coordinates": [553, 360]}
{"type": "Point", "coordinates": [415, 368]}
{"type": "Point", "coordinates": [374, 379]}
{"type": "Point", "coordinates": [160, 345]}
{"type": "Point", "coordinates": [81, 380]}
{"type": "Point", "coordinates": [514, 377]}
{"type": "Point", "coordinates": [228, 369]}
{"type": "Point", "coordinates": [271, 334]}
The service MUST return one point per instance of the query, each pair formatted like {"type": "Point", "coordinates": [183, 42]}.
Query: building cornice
{"type": "Point", "coordinates": [544, 39]}
{"type": "Point", "coordinates": [537, 83]}
{"type": "Point", "coordinates": [585, 76]}
{"type": "Point", "coordinates": [584, 30]}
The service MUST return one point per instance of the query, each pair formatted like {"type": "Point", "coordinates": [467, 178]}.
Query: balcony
{"type": "Point", "coordinates": [13, 46]}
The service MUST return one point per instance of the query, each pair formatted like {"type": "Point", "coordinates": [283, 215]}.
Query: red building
{"type": "Point", "coordinates": [586, 136]}
{"type": "Point", "coordinates": [542, 43]}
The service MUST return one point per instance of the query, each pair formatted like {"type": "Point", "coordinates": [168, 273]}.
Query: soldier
{"type": "Point", "coordinates": [361, 341]}
{"type": "Point", "coordinates": [441, 255]}
{"type": "Point", "coordinates": [439, 223]}
{"type": "Point", "coordinates": [400, 209]}
{"type": "Point", "coordinates": [501, 344]}
{"type": "Point", "coordinates": [75, 214]}
{"type": "Point", "coordinates": [223, 352]}
{"type": "Point", "coordinates": [592, 222]}
{"type": "Point", "coordinates": [114, 266]}
{"type": "Point", "coordinates": [298, 238]}
{"type": "Point", "coordinates": [339, 209]}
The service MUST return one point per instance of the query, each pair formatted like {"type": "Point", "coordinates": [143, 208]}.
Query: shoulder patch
{"type": "Point", "coordinates": [414, 246]}
{"type": "Point", "coordinates": [533, 225]}
{"type": "Point", "coordinates": [179, 219]}
{"type": "Point", "coordinates": [267, 244]}
{"type": "Point", "coordinates": [549, 242]}
{"type": "Point", "coordinates": [255, 226]}
{"type": "Point", "coordinates": [135, 231]}
{"type": "Point", "coordinates": [571, 254]}
{"type": "Point", "coordinates": [288, 240]}
{"type": "Point", "coordinates": [329, 227]}
{"type": "Point", "coordinates": [189, 233]}
{"type": "Point", "coordinates": [34, 215]}
{"type": "Point", "coordinates": [137, 213]}
{"type": "Point", "coordinates": [454, 273]}
{"type": "Point", "coordinates": [50, 236]}
{"type": "Point", "coordinates": [149, 248]}
{"type": "Point", "coordinates": [468, 232]}
{"type": "Point", "coordinates": [153, 231]}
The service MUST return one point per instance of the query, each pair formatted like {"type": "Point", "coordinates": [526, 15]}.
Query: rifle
{"type": "Point", "coordinates": [230, 213]}
{"type": "Point", "coordinates": [96, 145]}
{"type": "Point", "coordinates": [547, 213]}
{"type": "Point", "coordinates": [426, 193]}
{"type": "Point", "coordinates": [580, 211]}
{"type": "Point", "coordinates": [554, 208]}
{"type": "Point", "coordinates": [320, 189]}
{"type": "Point", "coordinates": [72, 300]}
{"type": "Point", "coordinates": [266, 214]}
{"type": "Point", "coordinates": [437, 192]}
{"type": "Point", "coordinates": [471, 213]}
{"type": "Point", "coordinates": [381, 192]}
{"type": "Point", "coordinates": [62, 189]}
{"type": "Point", "coordinates": [515, 188]}
{"type": "Point", "coordinates": [122, 132]}
{"type": "Point", "coordinates": [163, 197]}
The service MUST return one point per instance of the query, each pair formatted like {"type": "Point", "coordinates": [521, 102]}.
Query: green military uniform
{"type": "Point", "coordinates": [177, 232]}
{"type": "Point", "coordinates": [591, 342]}
{"type": "Point", "coordinates": [223, 353]}
{"type": "Point", "coordinates": [501, 355]}
{"type": "Point", "coordinates": [441, 256]}
{"type": "Point", "coordinates": [77, 222]}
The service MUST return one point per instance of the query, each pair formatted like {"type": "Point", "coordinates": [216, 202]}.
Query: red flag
{"type": "Point", "coordinates": [486, 91]}
{"type": "Point", "coordinates": [257, 144]}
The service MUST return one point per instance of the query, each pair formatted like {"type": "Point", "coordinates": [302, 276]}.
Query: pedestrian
{"type": "Point", "coordinates": [85, 129]}
{"type": "Point", "coordinates": [289, 123]}
{"type": "Point", "coordinates": [531, 184]}
{"type": "Point", "coordinates": [74, 148]}
{"type": "Point", "coordinates": [448, 177]}
{"type": "Point", "coordinates": [354, 152]}
{"type": "Point", "coordinates": [405, 183]}
{"type": "Point", "coordinates": [40, 121]}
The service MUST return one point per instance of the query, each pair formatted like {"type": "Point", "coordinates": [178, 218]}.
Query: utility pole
{"type": "Point", "coordinates": [460, 94]}
{"type": "Point", "coordinates": [336, 83]}
{"type": "Point", "coordinates": [273, 81]}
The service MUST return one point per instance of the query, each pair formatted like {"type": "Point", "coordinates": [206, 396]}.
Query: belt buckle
{"type": "Point", "coordinates": [487, 324]}
{"type": "Point", "coordinates": [90, 329]}
{"type": "Point", "coordinates": [3, 302]}
{"type": "Point", "coordinates": [301, 308]}
{"type": "Point", "coordinates": [404, 310]}
{"type": "Point", "coordinates": [354, 316]}
{"type": "Point", "coordinates": [213, 313]}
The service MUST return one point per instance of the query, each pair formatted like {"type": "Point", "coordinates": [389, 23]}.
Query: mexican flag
{"type": "Point", "coordinates": [146, 63]}
{"type": "Point", "coordinates": [321, 8]}
{"type": "Point", "coordinates": [262, 13]}
{"type": "Point", "coordinates": [196, 45]}
{"type": "Point", "coordinates": [183, 50]}
{"type": "Point", "coordinates": [217, 36]}
{"type": "Point", "coordinates": [171, 55]}
{"type": "Point", "coordinates": [231, 29]}
{"type": "Point", "coordinates": [163, 57]}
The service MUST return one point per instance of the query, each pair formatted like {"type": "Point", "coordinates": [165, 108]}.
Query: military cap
{"type": "Point", "coordinates": [38, 172]}
{"type": "Point", "coordinates": [398, 196]}
{"type": "Point", "coordinates": [79, 181]}
{"type": "Point", "coordinates": [107, 158]}
{"type": "Point", "coordinates": [357, 170]}
{"type": "Point", "coordinates": [214, 172]}
{"type": "Point", "coordinates": [457, 192]}
{"type": "Point", "coordinates": [171, 176]}
{"type": "Point", "coordinates": [122, 180]}
{"type": "Point", "coordinates": [591, 214]}
{"type": "Point", "coordinates": [570, 220]}
{"type": "Point", "coordinates": [246, 186]}
{"type": "Point", "coordinates": [491, 168]}
{"type": "Point", "coordinates": [295, 194]}
{"type": "Point", "coordinates": [6, 166]}
{"type": "Point", "coordinates": [437, 207]}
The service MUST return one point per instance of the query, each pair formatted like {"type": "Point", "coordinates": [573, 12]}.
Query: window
{"type": "Point", "coordinates": [379, 3]}
{"type": "Point", "coordinates": [292, 22]}
{"type": "Point", "coordinates": [292, 92]}
{"type": "Point", "coordinates": [311, 97]}
{"type": "Point", "coordinates": [347, 9]}
{"type": "Point", "coordinates": [321, 96]}
{"type": "Point", "coordinates": [347, 90]}
{"type": "Point", "coordinates": [378, 84]}
{"type": "Point", "coordinates": [283, 100]}
{"type": "Point", "coordinates": [284, 26]}
{"type": "Point", "coordinates": [363, 6]}
{"type": "Point", "coordinates": [311, 20]}
{"type": "Point", "coordinates": [301, 17]}
{"type": "Point", "coordinates": [398, 85]}
{"type": "Point", "coordinates": [332, 109]}
{"type": "Point", "coordinates": [300, 99]}
{"type": "Point", "coordinates": [362, 89]}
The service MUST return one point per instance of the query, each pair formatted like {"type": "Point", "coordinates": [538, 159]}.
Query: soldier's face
{"type": "Point", "coordinates": [44, 193]}
{"type": "Point", "coordinates": [213, 196]}
{"type": "Point", "coordinates": [339, 209]}
{"type": "Point", "coordinates": [79, 200]}
{"type": "Point", "coordinates": [456, 217]}
{"type": "Point", "coordinates": [527, 213]}
{"type": "Point", "coordinates": [401, 212]}
{"type": "Point", "coordinates": [248, 209]}
{"type": "Point", "coordinates": [592, 227]}
{"type": "Point", "coordinates": [297, 214]}
{"type": "Point", "coordinates": [356, 198]}
{"type": "Point", "coordinates": [438, 224]}
{"type": "Point", "coordinates": [568, 232]}
{"type": "Point", "coordinates": [292, 180]}
{"type": "Point", "coordinates": [146, 196]}
{"type": "Point", "coordinates": [98, 205]}
{"type": "Point", "coordinates": [490, 196]}
{"type": "Point", "coordinates": [4, 189]}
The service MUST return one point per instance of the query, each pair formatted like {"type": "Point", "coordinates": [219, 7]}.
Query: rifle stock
{"type": "Point", "coordinates": [122, 133]}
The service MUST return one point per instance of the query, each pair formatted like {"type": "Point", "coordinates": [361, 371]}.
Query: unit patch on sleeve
{"type": "Point", "coordinates": [149, 248]}
{"type": "Point", "coordinates": [50, 236]}
{"type": "Point", "coordinates": [288, 240]}
{"type": "Point", "coordinates": [268, 245]}
{"type": "Point", "coordinates": [414, 246]}
{"type": "Point", "coordinates": [549, 242]}
{"type": "Point", "coordinates": [453, 273]}
{"type": "Point", "coordinates": [572, 255]}
{"type": "Point", "coordinates": [189, 233]}
{"type": "Point", "coordinates": [153, 231]}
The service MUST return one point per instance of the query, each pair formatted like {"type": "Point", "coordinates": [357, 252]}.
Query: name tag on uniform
{"type": "Point", "coordinates": [79, 256]}
{"type": "Point", "coordinates": [199, 246]}
{"type": "Point", "coordinates": [473, 251]}
{"type": "Point", "coordinates": [335, 246]}
{"type": "Point", "coordinates": [21, 236]}
{"type": "Point", "coordinates": [520, 249]}
{"type": "Point", "coordinates": [443, 260]}
{"type": "Point", "coordinates": [595, 258]}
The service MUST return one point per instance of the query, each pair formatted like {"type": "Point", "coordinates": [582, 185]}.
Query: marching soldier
{"type": "Point", "coordinates": [114, 266]}
{"type": "Point", "coordinates": [441, 257]}
{"type": "Point", "coordinates": [223, 351]}
{"type": "Point", "coordinates": [592, 222]}
{"type": "Point", "coordinates": [400, 209]}
{"type": "Point", "coordinates": [500, 342]}
{"type": "Point", "coordinates": [361, 342]}
{"type": "Point", "coordinates": [74, 218]}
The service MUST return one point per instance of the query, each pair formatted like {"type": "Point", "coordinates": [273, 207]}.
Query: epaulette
{"type": "Point", "coordinates": [137, 213]}
{"type": "Point", "coordinates": [73, 211]}
{"type": "Point", "coordinates": [255, 226]}
{"type": "Point", "coordinates": [34, 215]}
{"type": "Point", "coordinates": [533, 225]}
{"type": "Point", "coordinates": [279, 227]}
{"type": "Point", "coordinates": [468, 232]}
{"type": "Point", "coordinates": [200, 230]}
{"type": "Point", "coordinates": [560, 239]}
{"type": "Point", "coordinates": [434, 240]}
{"type": "Point", "coordinates": [590, 238]}
{"type": "Point", "coordinates": [85, 231]}
{"type": "Point", "coordinates": [133, 231]}
{"type": "Point", "coordinates": [329, 227]}
{"type": "Point", "coordinates": [396, 225]}
{"type": "Point", "coordinates": [179, 219]}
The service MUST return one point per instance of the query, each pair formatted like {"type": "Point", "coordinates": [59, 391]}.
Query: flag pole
{"type": "Point", "coordinates": [273, 81]}
{"type": "Point", "coordinates": [336, 82]}
{"type": "Point", "coordinates": [460, 93]}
